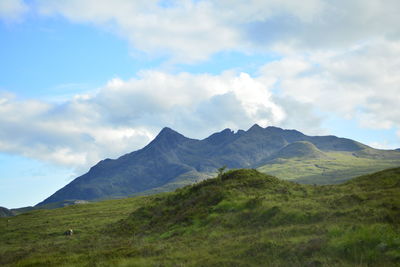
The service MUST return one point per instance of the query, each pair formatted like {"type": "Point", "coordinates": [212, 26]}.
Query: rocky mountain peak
{"type": "Point", "coordinates": [255, 128]}
{"type": "Point", "coordinates": [167, 136]}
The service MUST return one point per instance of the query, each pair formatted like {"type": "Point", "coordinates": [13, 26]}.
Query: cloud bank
{"type": "Point", "coordinates": [124, 115]}
{"type": "Point", "coordinates": [338, 57]}
{"type": "Point", "coordinates": [190, 31]}
{"type": "Point", "coordinates": [361, 82]}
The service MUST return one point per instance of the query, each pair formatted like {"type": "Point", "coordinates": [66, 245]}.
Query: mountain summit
{"type": "Point", "coordinates": [172, 160]}
{"type": "Point", "coordinates": [167, 139]}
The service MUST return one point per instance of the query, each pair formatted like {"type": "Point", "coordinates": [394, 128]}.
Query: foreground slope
{"type": "Point", "coordinates": [172, 160]}
{"type": "Point", "coordinates": [242, 218]}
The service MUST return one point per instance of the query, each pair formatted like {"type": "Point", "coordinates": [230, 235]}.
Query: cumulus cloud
{"type": "Point", "coordinates": [326, 24]}
{"type": "Point", "coordinates": [12, 10]}
{"type": "Point", "coordinates": [68, 134]}
{"type": "Point", "coordinates": [331, 60]}
{"type": "Point", "coordinates": [361, 82]}
{"type": "Point", "coordinates": [183, 97]}
{"type": "Point", "coordinates": [300, 116]}
{"type": "Point", "coordinates": [124, 115]}
{"type": "Point", "coordinates": [176, 99]}
{"type": "Point", "coordinates": [188, 31]}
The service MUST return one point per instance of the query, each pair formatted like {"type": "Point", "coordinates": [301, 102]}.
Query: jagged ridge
{"type": "Point", "coordinates": [171, 155]}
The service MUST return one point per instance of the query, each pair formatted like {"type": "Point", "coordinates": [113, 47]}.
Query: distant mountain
{"type": "Point", "coordinates": [4, 212]}
{"type": "Point", "coordinates": [172, 160]}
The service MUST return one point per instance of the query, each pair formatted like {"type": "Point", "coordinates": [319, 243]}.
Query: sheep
{"type": "Point", "coordinates": [68, 232]}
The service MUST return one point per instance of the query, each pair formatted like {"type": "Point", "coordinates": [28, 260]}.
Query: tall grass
{"type": "Point", "coordinates": [243, 218]}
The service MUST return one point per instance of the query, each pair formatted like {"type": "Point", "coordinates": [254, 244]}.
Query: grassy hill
{"type": "Point", "coordinates": [242, 218]}
{"type": "Point", "coordinates": [299, 149]}
{"type": "Point", "coordinates": [331, 167]}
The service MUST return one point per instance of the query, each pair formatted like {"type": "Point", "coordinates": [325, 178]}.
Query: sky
{"type": "Point", "coordinates": [84, 80]}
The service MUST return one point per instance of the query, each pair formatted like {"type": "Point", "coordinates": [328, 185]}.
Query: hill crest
{"type": "Point", "coordinates": [302, 149]}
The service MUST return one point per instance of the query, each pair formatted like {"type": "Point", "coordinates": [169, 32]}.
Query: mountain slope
{"type": "Point", "coordinates": [299, 149]}
{"type": "Point", "coordinates": [152, 166]}
{"type": "Point", "coordinates": [334, 167]}
{"type": "Point", "coordinates": [241, 218]}
{"type": "Point", "coordinates": [4, 212]}
{"type": "Point", "coordinates": [172, 160]}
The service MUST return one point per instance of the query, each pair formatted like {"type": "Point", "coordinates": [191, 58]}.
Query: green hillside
{"type": "Point", "coordinates": [241, 218]}
{"type": "Point", "coordinates": [298, 149]}
{"type": "Point", "coordinates": [333, 167]}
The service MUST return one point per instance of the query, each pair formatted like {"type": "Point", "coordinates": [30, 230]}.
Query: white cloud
{"type": "Point", "coordinates": [300, 116]}
{"type": "Point", "coordinates": [12, 10]}
{"type": "Point", "coordinates": [158, 99]}
{"type": "Point", "coordinates": [361, 82]}
{"type": "Point", "coordinates": [188, 31]}
{"type": "Point", "coordinates": [61, 133]}
{"type": "Point", "coordinates": [125, 115]}
{"type": "Point", "coordinates": [340, 57]}
{"type": "Point", "coordinates": [329, 25]}
{"type": "Point", "coordinates": [156, 93]}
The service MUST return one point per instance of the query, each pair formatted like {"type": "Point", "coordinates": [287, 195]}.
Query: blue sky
{"type": "Point", "coordinates": [81, 82]}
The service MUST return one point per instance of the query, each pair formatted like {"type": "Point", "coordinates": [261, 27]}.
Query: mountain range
{"type": "Point", "coordinates": [172, 160]}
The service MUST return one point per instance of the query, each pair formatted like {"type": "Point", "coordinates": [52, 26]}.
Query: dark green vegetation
{"type": "Point", "coordinates": [240, 218]}
{"type": "Point", "coordinates": [171, 161]}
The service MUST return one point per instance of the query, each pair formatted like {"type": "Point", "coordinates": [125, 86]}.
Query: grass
{"type": "Point", "coordinates": [241, 218]}
{"type": "Point", "coordinates": [336, 167]}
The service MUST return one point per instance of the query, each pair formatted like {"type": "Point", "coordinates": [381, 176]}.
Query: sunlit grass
{"type": "Point", "coordinates": [336, 167]}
